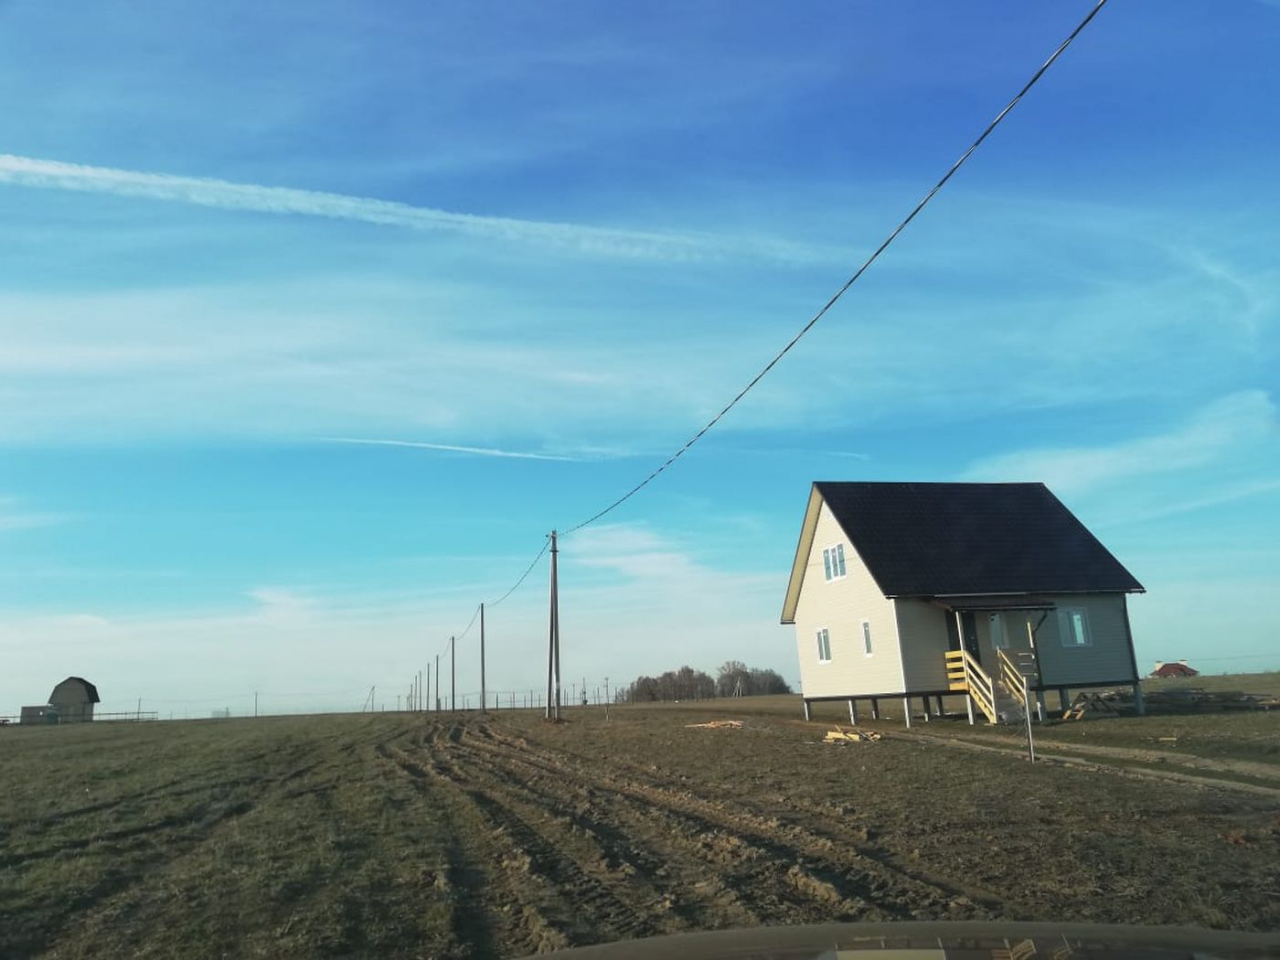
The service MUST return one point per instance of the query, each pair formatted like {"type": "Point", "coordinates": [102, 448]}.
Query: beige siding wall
{"type": "Point", "coordinates": [1106, 658]}
{"type": "Point", "coordinates": [840, 606]}
{"type": "Point", "coordinates": [922, 628]}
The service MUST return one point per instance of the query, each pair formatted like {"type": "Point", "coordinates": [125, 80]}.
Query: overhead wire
{"type": "Point", "coordinates": [852, 280]}
{"type": "Point", "coordinates": [493, 603]}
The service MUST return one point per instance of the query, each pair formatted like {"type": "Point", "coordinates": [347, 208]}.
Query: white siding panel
{"type": "Point", "coordinates": [840, 606]}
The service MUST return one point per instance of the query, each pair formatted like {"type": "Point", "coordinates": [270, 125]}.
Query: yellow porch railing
{"type": "Point", "coordinates": [965, 674]}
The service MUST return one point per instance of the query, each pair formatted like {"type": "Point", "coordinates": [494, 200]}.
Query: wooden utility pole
{"type": "Point", "coordinates": [553, 654]}
{"type": "Point", "coordinates": [483, 701]}
{"type": "Point", "coordinates": [255, 703]}
{"type": "Point", "coordinates": [437, 683]}
{"type": "Point", "coordinates": [453, 679]}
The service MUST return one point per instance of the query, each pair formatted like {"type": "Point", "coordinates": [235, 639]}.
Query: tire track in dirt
{"type": "Point", "coordinates": [774, 866]}
{"type": "Point", "coordinates": [598, 906]}
{"type": "Point", "coordinates": [465, 875]}
{"type": "Point", "coordinates": [753, 882]}
{"type": "Point", "coordinates": [534, 918]}
{"type": "Point", "coordinates": [641, 868]}
{"type": "Point", "coordinates": [845, 861]}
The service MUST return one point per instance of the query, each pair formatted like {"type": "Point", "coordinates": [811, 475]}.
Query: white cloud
{"type": "Point", "coordinates": [632, 600]}
{"type": "Point", "coordinates": [1241, 418]}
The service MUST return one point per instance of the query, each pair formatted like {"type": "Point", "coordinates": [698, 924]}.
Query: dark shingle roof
{"type": "Point", "coordinates": [937, 539]}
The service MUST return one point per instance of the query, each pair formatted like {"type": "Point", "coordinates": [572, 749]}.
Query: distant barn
{"type": "Point", "coordinates": [73, 699]}
{"type": "Point", "coordinates": [1179, 669]}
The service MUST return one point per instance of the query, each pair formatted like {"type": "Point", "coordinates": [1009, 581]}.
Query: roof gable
{"type": "Point", "coordinates": [948, 539]}
{"type": "Point", "coordinates": [89, 690]}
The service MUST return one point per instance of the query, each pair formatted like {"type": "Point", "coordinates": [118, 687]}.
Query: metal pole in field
{"type": "Point", "coordinates": [437, 683]}
{"type": "Point", "coordinates": [483, 701]}
{"type": "Point", "coordinates": [453, 678]}
{"type": "Point", "coordinates": [1026, 710]}
{"type": "Point", "coordinates": [255, 703]}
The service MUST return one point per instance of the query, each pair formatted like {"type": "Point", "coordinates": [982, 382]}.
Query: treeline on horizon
{"type": "Point", "coordinates": [733, 679]}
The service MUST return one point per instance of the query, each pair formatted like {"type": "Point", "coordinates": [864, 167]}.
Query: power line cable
{"type": "Point", "coordinates": [491, 604]}
{"type": "Point", "coordinates": [853, 279]}
{"type": "Point", "coordinates": [524, 576]}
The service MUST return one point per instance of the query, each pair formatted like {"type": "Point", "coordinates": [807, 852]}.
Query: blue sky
{"type": "Point", "coordinates": [239, 238]}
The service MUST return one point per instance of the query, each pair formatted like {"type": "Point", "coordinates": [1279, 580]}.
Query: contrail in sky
{"type": "Point", "coordinates": [450, 448]}
{"type": "Point", "coordinates": [226, 195]}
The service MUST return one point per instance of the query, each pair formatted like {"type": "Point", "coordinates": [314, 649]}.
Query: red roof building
{"type": "Point", "coordinates": [1179, 669]}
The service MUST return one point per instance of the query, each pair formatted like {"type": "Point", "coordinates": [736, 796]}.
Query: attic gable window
{"type": "Point", "coordinates": [833, 562]}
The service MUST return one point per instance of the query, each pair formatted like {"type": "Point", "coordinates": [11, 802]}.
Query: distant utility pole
{"type": "Point", "coordinates": [483, 701]}
{"type": "Point", "coordinates": [437, 683]}
{"type": "Point", "coordinates": [453, 678]}
{"type": "Point", "coordinates": [255, 703]}
{"type": "Point", "coordinates": [553, 654]}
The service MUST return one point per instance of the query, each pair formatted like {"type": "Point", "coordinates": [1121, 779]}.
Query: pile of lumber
{"type": "Point", "coordinates": [717, 725]}
{"type": "Point", "coordinates": [1187, 700]}
{"type": "Point", "coordinates": [850, 736]}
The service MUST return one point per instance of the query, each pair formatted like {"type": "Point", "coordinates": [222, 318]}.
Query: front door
{"type": "Point", "coordinates": [969, 626]}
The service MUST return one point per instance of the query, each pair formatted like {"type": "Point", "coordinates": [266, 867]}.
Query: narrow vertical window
{"type": "Point", "coordinates": [824, 646]}
{"type": "Point", "coordinates": [839, 559]}
{"type": "Point", "coordinates": [826, 562]}
{"type": "Point", "coordinates": [1073, 628]}
{"type": "Point", "coordinates": [866, 637]}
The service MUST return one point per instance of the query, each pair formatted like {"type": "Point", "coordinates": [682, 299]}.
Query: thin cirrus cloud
{"type": "Point", "coordinates": [1240, 419]}
{"type": "Point", "coordinates": [228, 195]}
{"type": "Point", "coordinates": [454, 448]}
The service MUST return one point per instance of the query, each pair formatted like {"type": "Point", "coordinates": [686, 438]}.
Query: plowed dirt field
{"type": "Point", "coordinates": [403, 835]}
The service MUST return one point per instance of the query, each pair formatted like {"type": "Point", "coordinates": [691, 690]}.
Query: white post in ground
{"type": "Point", "coordinates": [483, 700]}
{"type": "Point", "coordinates": [906, 711]}
{"type": "Point", "coordinates": [853, 711]}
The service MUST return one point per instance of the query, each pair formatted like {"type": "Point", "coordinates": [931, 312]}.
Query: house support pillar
{"type": "Point", "coordinates": [968, 704]}
{"type": "Point", "coordinates": [875, 709]}
{"type": "Point", "coordinates": [1139, 706]}
{"type": "Point", "coordinates": [927, 710]}
{"type": "Point", "coordinates": [906, 711]}
{"type": "Point", "coordinates": [938, 700]}
{"type": "Point", "coordinates": [853, 712]}
{"type": "Point", "coordinates": [807, 715]}
{"type": "Point", "coordinates": [1041, 709]}
{"type": "Point", "coordinates": [1063, 702]}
